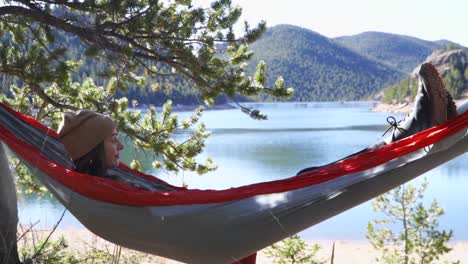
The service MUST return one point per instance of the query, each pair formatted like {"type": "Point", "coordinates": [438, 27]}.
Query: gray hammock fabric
{"type": "Point", "coordinates": [207, 226]}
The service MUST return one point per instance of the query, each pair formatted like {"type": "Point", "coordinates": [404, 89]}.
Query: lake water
{"type": "Point", "coordinates": [295, 136]}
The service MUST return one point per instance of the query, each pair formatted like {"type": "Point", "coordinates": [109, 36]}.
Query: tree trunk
{"type": "Point", "coordinates": [8, 213]}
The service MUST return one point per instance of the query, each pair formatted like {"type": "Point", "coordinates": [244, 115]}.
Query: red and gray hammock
{"type": "Point", "coordinates": [222, 226]}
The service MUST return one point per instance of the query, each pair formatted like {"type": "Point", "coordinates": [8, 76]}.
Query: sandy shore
{"type": "Point", "coordinates": [346, 252]}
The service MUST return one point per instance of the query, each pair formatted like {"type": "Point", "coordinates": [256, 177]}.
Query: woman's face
{"type": "Point", "coordinates": [112, 148]}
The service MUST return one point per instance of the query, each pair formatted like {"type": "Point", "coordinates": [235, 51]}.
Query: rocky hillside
{"type": "Point", "coordinates": [453, 67]}
{"type": "Point", "coordinates": [448, 60]}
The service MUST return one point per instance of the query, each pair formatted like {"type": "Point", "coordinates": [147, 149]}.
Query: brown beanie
{"type": "Point", "coordinates": [82, 131]}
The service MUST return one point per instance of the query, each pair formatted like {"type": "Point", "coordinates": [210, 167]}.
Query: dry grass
{"type": "Point", "coordinates": [346, 252]}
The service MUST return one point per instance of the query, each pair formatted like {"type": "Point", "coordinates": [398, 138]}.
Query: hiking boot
{"type": "Point", "coordinates": [433, 105]}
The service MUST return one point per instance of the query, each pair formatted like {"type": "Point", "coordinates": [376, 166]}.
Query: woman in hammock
{"type": "Point", "coordinates": [91, 138]}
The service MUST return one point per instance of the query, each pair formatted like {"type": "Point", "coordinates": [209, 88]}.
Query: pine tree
{"type": "Point", "coordinates": [127, 43]}
{"type": "Point", "coordinates": [409, 231]}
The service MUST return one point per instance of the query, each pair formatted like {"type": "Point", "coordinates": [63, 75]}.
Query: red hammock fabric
{"type": "Point", "coordinates": [111, 191]}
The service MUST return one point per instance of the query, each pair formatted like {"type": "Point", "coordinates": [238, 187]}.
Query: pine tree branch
{"type": "Point", "coordinates": [36, 88]}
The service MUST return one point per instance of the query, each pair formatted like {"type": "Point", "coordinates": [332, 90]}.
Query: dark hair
{"type": "Point", "coordinates": [92, 162]}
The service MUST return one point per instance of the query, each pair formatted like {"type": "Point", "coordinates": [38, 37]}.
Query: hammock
{"type": "Point", "coordinates": [223, 226]}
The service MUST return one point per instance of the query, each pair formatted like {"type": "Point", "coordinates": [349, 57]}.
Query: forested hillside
{"type": "Point", "coordinates": [149, 91]}
{"type": "Point", "coordinates": [398, 51]}
{"type": "Point", "coordinates": [317, 67]}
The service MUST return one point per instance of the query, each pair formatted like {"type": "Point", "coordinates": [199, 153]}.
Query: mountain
{"type": "Point", "coordinates": [317, 67]}
{"type": "Point", "coordinates": [398, 51]}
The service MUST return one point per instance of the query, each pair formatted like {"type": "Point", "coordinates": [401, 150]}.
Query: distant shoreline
{"type": "Point", "coordinates": [400, 108]}
{"type": "Point", "coordinates": [404, 108]}
{"type": "Point", "coordinates": [227, 106]}
{"type": "Point", "coordinates": [185, 108]}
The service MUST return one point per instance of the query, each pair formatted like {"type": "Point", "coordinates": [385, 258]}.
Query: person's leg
{"type": "Point", "coordinates": [433, 105]}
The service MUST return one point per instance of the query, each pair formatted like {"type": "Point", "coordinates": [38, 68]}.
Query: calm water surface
{"type": "Point", "coordinates": [296, 135]}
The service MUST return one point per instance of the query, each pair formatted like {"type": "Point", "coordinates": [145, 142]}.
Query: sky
{"type": "Point", "coordinates": [425, 19]}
